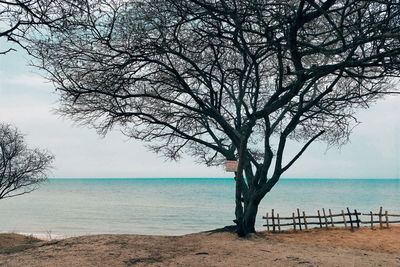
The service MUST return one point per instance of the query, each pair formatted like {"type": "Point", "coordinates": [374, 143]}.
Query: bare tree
{"type": "Point", "coordinates": [21, 169]}
{"type": "Point", "coordinates": [18, 17]}
{"type": "Point", "coordinates": [225, 79]}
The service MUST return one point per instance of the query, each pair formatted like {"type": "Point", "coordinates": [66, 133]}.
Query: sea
{"type": "Point", "coordinates": [169, 206]}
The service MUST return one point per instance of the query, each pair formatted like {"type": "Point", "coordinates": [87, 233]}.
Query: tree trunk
{"type": "Point", "coordinates": [249, 218]}
{"type": "Point", "coordinates": [239, 207]}
{"type": "Point", "coordinates": [246, 218]}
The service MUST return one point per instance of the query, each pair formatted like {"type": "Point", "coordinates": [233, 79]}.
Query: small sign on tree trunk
{"type": "Point", "coordinates": [231, 166]}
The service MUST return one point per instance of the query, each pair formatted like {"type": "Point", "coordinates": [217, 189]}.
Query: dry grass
{"type": "Point", "coordinates": [384, 240]}
{"type": "Point", "coordinates": [316, 247]}
{"type": "Point", "coordinates": [13, 243]}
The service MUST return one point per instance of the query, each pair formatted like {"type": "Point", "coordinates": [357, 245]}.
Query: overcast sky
{"type": "Point", "coordinates": [27, 101]}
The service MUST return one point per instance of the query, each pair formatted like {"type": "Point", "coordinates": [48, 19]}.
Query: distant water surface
{"type": "Point", "coordinates": [69, 207]}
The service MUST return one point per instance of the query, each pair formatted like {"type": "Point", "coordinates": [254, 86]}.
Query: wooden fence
{"type": "Point", "coordinates": [301, 221]}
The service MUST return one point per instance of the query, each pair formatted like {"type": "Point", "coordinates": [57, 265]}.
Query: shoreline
{"type": "Point", "coordinates": [332, 247]}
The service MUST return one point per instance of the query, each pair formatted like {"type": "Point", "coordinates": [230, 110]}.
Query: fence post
{"type": "Point", "coordinates": [326, 220]}
{"type": "Point", "coordinates": [380, 218]}
{"type": "Point", "coordinates": [387, 219]}
{"type": "Point", "coordinates": [358, 221]}
{"type": "Point", "coordinates": [305, 220]}
{"type": "Point", "coordinates": [298, 216]}
{"type": "Point", "coordinates": [344, 220]}
{"type": "Point", "coordinates": [279, 223]}
{"type": "Point", "coordinates": [319, 218]}
{"type": "Point", "coordinates": [351, 221]}
{"type": "Point", "coordinates": [330, 215]}
{"type": "Point", "coordinates": [273, 221]}
{"type": "Point", "coordinates": [294, 222]}
{"type": "Point", "coordinates": [372, 220]}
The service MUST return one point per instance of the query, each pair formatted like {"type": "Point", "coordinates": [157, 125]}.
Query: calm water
{"type": "Point", "coordinates": [69, 207]}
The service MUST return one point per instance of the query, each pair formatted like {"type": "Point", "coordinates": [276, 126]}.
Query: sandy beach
{"type": "Point", "coordinates": [316, 247]}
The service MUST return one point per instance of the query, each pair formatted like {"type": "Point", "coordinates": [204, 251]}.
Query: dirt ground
{"type": "Point", "coordinates": [317, 247]}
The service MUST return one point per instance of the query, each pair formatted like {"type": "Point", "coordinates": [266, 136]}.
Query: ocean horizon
{"type": "Point", "coordinates": [175, 206]}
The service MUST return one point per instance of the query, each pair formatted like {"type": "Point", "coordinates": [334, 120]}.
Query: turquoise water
{"type": "Point", "coordinates": [69, 207]}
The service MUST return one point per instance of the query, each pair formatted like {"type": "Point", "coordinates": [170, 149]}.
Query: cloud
{"type": "Point", "coordinates": [23, 80]}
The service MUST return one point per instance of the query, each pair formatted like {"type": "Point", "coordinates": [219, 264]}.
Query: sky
{"type": "Point", "coordinates": [28, 101]}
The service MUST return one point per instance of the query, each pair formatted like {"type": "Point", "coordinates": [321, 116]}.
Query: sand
{"type": "Point", "coordinates": [317, 247]}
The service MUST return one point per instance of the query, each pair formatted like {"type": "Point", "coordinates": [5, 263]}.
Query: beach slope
{"type": "Point", "coordinates": [317, 247]}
